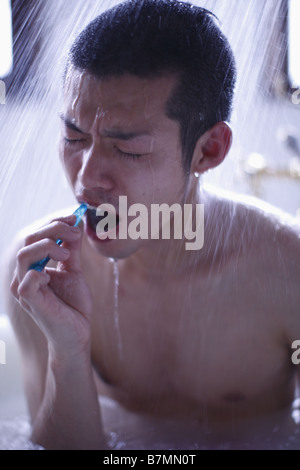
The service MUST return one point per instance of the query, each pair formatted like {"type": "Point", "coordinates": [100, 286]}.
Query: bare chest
{"type": "Point", "coordinates": [180, 347]}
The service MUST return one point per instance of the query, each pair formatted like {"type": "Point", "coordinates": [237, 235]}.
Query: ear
{"type": "Point", "coordinates": [212, 147]}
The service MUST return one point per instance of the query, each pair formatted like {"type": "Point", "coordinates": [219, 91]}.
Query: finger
{"type": "Point", "coordinates": [30, 291]}
{"type": "Point", "coordinates": [57, 229]}
{"type": "Point", "coordinates": [14, 286]}
{"type": "Point", "coordinates": [73, 262]}
{"type": "Point", "coordinates": [37, 251]}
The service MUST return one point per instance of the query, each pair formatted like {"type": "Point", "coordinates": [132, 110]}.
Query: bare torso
{"type": "Point", "coordinates": [210, 344]}
{"type": "Point", "coordinates": [206, 343]}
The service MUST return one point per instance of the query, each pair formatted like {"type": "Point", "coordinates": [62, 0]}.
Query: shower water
{"type": "Point", "coordinates": [116, 308]}
{"type": "Point", "coordinates": [29, 134]}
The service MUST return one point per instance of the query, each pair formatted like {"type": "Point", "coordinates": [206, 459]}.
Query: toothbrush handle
{"type": "Point", "coordinates": [40, 265]}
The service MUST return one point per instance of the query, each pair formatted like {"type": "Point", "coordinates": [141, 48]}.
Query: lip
{"type": "Point", "coordinates": [90, 229]}
{"type": "Point", "coordinates": [91, 204]}
{"type": "Point", "coordinates": [91, 233]}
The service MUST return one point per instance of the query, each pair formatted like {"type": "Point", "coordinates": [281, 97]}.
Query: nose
{"type": "Point", "coordinates": [96, 170]}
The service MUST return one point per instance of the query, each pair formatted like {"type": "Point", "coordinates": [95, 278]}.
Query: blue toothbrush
{"type": "Point", "coordinates": [80, 211]}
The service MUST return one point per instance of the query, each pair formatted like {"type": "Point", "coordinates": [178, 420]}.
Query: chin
{"type": "Point", "coordinates": [117, 249]}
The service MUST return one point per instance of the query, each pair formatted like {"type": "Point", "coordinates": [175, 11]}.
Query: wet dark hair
{"type": "Point", "coordinates": [149, 38]}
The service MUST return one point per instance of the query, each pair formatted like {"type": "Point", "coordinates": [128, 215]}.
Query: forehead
{"type": "Point", "coordinates": [126, 98]}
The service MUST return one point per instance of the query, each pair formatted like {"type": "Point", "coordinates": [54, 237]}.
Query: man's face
{"type": "Point", "coordinates": [116, 140]}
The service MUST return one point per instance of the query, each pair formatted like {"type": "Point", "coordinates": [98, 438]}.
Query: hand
{"type": "Point", "coordinates": [58, 299]}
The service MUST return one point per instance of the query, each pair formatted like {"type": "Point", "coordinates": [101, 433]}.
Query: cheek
{"type": "Point", "coordinates": [61, 152]}
{"type": "Point", "coordinates": [169, 177]}
{"type": "Point", "coordinates": [166, 185]}
{"type": "Point", "coordinates": [70, 163]}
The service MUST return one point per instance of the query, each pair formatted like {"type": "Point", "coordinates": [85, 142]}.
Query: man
{"type": "Point", "coordinates": [202, 335]}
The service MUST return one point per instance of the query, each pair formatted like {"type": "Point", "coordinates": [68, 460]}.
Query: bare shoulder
{"type": "Point", "coordinates": [258, 228]}
{"type": "Point", "coordinates": [272, 233]}
{"type": "Point", "coordinates": [265, 243]}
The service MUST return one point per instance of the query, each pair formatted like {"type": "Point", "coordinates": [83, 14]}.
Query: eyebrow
{"type": "Point", "coordinates": [120, 135]}
{"type": "Point", "coordinates": [113, 133]}
{"type": "Point", "coordinates": [69, 124]}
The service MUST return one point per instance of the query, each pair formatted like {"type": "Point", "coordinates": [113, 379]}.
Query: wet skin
{"type": "Point", "coordinates": [206, 335]}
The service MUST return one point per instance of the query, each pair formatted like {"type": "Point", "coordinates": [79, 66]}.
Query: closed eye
{"type": "Point", "coordinates": [73, 141]}
{"type": "Point", "coordinates": [133, 156]}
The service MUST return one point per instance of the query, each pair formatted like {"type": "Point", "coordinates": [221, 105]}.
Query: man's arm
{"type": "Point", "coordinates": [289, 294]}
{"type": "Point", "coordinates": [50, 314]}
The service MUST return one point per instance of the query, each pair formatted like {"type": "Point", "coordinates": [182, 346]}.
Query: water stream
{"type": "Point", "coordinates": [32, 183]}
{"type": "Point", "coordinates": [116, 308]}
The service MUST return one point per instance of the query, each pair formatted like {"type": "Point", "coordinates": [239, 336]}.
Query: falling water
{"type": "Point", "coordinates": [31, 180]}
{"type": "Point", "coordinates": [29, 128]}
{"type": "Point", "coordinates": [116, 308]}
